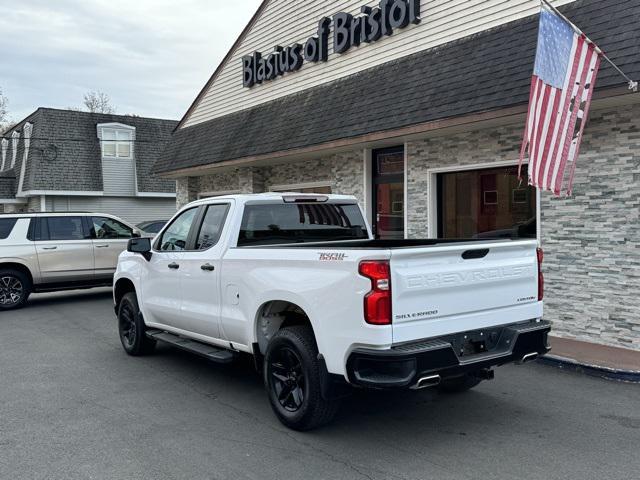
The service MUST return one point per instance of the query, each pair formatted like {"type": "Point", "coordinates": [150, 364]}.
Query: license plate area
{"type": "Point", "coordinates": [478, 341]}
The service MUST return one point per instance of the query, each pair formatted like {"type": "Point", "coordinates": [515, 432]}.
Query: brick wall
{"type": "Point", "coordinates": [591, 241]}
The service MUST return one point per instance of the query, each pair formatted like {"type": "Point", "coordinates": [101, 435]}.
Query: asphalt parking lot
{"type": "Point", "coordinates": [73, 405]}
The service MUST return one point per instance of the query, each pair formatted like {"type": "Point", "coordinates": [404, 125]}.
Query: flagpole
{"type": "Point", "coordinates": [633, 85]}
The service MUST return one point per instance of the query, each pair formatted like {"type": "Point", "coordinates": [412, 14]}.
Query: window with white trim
{"type": "Point", "coordinates": [116, 140]}
{"type": "Point", "coordinates": [485, 203]}
{"type": "Point", "coordinates": [5, 147]}
{"type": "Point", "coordinates": [15, 136]}
{"type": "Point", "coordinates": [26, 134]}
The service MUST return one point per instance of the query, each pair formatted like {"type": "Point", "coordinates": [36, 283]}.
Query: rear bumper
{"type": "Point", "coordinates": [448, 356]}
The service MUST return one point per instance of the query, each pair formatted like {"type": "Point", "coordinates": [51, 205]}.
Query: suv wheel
{"type": "Point", "coordinates": [131, 327]}
{"type": "Point", "coordinates": [292, 376]}
{"type": "Point", "coordinates": [15, 289]}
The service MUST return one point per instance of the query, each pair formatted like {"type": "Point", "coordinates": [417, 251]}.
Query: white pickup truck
{"type": "Point", "coordinates": [298, 282]}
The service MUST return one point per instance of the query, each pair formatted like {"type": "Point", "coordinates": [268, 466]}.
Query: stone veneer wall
{"type": "Point", "coordinates": [591, 241]}
{"type": "Point", "coordinates": [344, 172]}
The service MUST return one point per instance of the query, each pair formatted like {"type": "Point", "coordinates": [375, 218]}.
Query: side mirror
{"type": "Point", "coordinates": [141, 246]}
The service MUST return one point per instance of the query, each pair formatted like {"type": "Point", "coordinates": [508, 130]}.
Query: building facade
{"type": "Point", "coordinates": [417, 108]}
{"type": "Point", "coordinates": [63, 160]}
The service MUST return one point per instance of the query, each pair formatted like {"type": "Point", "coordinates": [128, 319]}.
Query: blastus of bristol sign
{"type": "Point", "coordinates": [348, 31]}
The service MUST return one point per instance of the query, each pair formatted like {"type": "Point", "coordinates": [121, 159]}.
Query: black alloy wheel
{"type": "Point", "coordinates": [287, 378]}
{"type": "Point", "coordinates": [14, 289]}
{"type": "Point", "coordinates": [293, 376]}
{"type": "Point", "coordinates": [11, 290]}
{"type": "Point", "coordinates": [127, 325]}
{"type": "Point", "coordinates": [131, 327]}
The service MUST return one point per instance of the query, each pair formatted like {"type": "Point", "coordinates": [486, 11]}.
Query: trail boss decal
{"type": "Point", "coordinates": [332, 257]}
{"type": "Point", "coordinates": [348, 31]}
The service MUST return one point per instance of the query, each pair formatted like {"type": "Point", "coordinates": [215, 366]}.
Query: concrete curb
{"type": "Point", "coordinates": [629, 376]}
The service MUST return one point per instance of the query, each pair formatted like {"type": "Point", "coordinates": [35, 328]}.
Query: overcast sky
{"type": "Point", "coordinates": [151, 57]}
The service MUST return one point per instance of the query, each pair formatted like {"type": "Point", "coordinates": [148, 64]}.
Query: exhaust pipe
{"type": "Point", "coordinates": [425, 382]}
{"type": "Point", "coordinates": [529, 357]}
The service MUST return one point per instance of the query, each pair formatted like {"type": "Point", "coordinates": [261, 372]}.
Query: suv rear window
{"type": "Point", "coordinates": [6, 225]}
{"type": "Point", "coordinates": [300, 223]}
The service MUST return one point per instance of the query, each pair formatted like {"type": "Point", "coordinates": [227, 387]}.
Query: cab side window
{"type": "Point", "coordinates": [211, 228]}
{"type": "Point", "coordinates": [175, 237]}
{"type": "Point", "coordinates": [108, 228]}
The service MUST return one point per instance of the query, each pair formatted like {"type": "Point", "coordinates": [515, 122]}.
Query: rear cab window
{"type": "Point", "coordinates": [275, 224]}
{"type": "Point", "coordinates": [211, 227]}
{"type": "Point", "coordinates": [6, 227]}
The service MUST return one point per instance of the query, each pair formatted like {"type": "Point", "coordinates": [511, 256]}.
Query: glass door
{"type": "Point", "coordinates": [388, 193]}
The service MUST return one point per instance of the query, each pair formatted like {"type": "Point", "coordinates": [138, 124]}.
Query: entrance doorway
{"type": "Point", "coordinates": [388, 193]}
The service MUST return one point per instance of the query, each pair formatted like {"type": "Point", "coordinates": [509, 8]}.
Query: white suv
{"type": "Point", "coordinates": [58, 251]}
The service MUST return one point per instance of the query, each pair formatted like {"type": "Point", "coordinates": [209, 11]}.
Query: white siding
{"type": "Point", "coordinates": [118, 176]}
{"type": "Point", "coordinates": [133, 210]}
{"type": "Point", "coordinates": [285, 22]}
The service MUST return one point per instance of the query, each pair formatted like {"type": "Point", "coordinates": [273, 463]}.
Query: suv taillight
{"type": "Point", "coordinates": [377, 303]}
{"type": "Point", "coordinates": [540, 275]}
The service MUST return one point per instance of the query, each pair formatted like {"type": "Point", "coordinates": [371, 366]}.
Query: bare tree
{"type": "Point", "coordinates": [98, 102]}
{"type": "Point", "coordinates": [4, 112]}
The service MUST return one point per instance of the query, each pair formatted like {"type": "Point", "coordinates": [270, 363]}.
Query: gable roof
{"type": "Point", "coordinates": [483, 72]}
{"type": "Point", "coordinates": [65, 154]}
{"type": "Point", "coordinates": [224, 61]}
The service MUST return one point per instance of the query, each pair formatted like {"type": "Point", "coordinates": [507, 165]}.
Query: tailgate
{"type": "Point", "coordinates": [453, 288]}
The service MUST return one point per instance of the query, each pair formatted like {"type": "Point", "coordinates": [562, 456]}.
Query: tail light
{"type": "Point", "coordinates": [377, 303]}
{"type": "Point", "coordinates": [540, 275]}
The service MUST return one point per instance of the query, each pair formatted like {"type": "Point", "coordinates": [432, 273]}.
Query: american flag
{"type": "Point", "coordinates": [564, 76]}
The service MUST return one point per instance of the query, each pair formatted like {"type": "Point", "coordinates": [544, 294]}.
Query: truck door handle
{"type": "Point", "coordinates": [49, 248]}
{"type": "Point", "coordinates": [102, 246]}
{"type": "Point", "coordinates": [207, 267]}
{"type": "Point", "coordinates": [173, 266]}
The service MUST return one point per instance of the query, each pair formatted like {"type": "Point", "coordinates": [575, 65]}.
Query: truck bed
{"type": "Point", "coordinates": [383, 244]}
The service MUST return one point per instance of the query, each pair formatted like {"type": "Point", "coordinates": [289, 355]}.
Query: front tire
{"type": "Point", "coordinates": [131, 327]}
{"type": "Point", "coordinates": [15, 288]}
{"type": "Point", "coordinates": [292, 377]}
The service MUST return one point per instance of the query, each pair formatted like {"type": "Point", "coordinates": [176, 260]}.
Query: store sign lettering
{"type": "Point", "coordinates": [348, 31]}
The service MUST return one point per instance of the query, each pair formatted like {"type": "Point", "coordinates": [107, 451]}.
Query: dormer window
{"type": "Point", "coordinates": [5, 147]}
{"type": "Point", "coordinates": [15, 136]}
{"type": "Point", "coordinates": [116, 140]}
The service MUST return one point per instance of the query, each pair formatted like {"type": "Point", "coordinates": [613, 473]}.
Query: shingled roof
{"type": "Point", "coordinates": [484, 72]}
{"type": "Point", "coordinates": [65, 155]}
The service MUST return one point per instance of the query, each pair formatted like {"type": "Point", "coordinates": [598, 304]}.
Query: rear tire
{"type": "Point", "coordinates": [131, 327]}
{"type": "Point", "coordinates": [459, 384]}
{"type": "Point", "coordinates": [15, 288]}
{"type": "Point", "coordinates": [292, 377]}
